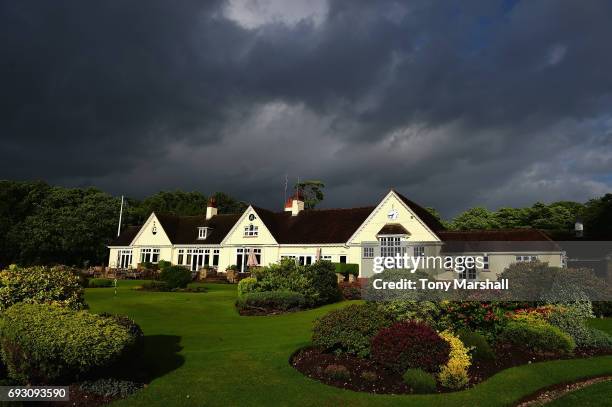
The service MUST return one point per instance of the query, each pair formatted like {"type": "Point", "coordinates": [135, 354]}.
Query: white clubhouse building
{"type": "Point", "coordinates": [353, 235]}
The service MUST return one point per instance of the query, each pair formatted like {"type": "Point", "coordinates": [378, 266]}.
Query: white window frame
{"type": "Point", "coordinates": [202, 233]}
{"type": "Point", "coordinates": [251, 231]}
{"type": "Point", "coordinates": [469, 274]}
{"type": "Point", "coordinates": [368, 253]}
{"type": "Point", "coordinates": [526, 258]}
{"type": "Point", "coordinates": [124, 254]}
{"type": "Point", "coordinates": [486, 263]}
{"type": "Point", "coordinates": [391, 245]}
{"type": "Point", "coordinates": [419, 251]}
{"type": "Point", "coordinates": [244, 252]}
{"type": "Point", "coordinates": [149, 255]}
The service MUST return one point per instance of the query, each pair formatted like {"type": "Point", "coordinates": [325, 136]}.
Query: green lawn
{"type": "Point", "coordinates": [204, 353]}
{"type": "Point", "coordinates": [598, 395]}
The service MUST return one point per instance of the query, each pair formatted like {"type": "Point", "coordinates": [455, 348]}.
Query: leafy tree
{"type": "Point", "coordinates": [71, 226]}
{"type": "Point", "coordinates": [313, 192]}
{"type": "Point", "coordinates": [228, 204]}
{"type": "Point", "coordinates": [40, 224]}
{"type": "Point", "coordinates": [175, 202]}
{"type": "Point", "coordinates": [555, 216]}
{"type": "Point", "coordinates": [475, 218]}
{"type": "Point", "coordinates": [597, 217]}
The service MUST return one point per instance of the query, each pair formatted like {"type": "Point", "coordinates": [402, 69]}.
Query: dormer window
{"type": "Point", "coordinates": [203, 232]}
{"type": "Point", "coordinates": [251, 231]}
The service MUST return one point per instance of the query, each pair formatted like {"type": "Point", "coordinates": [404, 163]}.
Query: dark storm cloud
{"type": "Point", "coordinates": [488, 103]}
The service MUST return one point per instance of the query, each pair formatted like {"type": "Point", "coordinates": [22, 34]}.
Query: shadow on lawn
{"type": "Point", "coordinates": [158, 357]}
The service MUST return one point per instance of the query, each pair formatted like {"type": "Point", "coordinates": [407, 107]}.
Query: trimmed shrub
{"type": "Point", "coordinates": [41, 285]}
{"type": "Point", "coordinates": [271, 300]}
{"type": "Point", "coordinates": [410, 344]}
{"type": "Point", "coordinates": [317, 282]}
{"type": "Point", "coordinates": [346, 268]}
{"type": "Point", "coordinates": [337, 372]}
{"type": "Point", "coordinates": [321, 283]}
{"type": "Point", "coordinates": [570, 319]}
{"type": "Point", "coordinates": [454, 374]}
{"type": "Point", "coordinates": [50, 344]}
{"type": "Point", "coordinates": [163, 264]}
{"type": "Point", "coordinates": [480, 348]}
{"type": "Point", "coordinates": [537, 337]}
{"type": "Point", "coordinates": [349, 329]}
{"type": "Point", "coordinates": [100, 283]}
{"type": "Point", "coordinates": [175, 277]}
{"type": "Point", "coordinates": [598, 340]}
{"type": "Point", "coordinates": [128, 323]}
{"type": "Point", "coordinates": [404, 310]}
{"type": "Point", "coordinates": [156, 286]}
{"type": "Point", "coordinates": [247, 285]}
{"type": "Point", "coordinates": [350, 291]}
{"type": "Point", "coordinates": [420, 381]}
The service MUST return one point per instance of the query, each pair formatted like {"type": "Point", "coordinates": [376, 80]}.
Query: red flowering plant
{"type": "Point", "coordinates": [410, 344]}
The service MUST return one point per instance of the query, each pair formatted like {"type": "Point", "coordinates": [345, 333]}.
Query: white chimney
{"type": "Point", "coordinates": [211, 208]}
{"type": "Point", "coordinates": [295, 204]}
{"type": "Point", "coordinates": [579, 228]}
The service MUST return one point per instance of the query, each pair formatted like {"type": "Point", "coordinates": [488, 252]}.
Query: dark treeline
{"type": "Point", "coordinates": [43, 224]}
{"type": "Point", "coordinates": [558, 218]}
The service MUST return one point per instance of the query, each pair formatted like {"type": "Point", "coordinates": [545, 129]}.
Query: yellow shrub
{"type": "Point", "coordinates": [454, 374]}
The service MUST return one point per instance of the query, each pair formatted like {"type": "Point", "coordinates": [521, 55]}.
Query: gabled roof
{"type": "Point", "coordinates": [393, 229]}
{"type": "Point", "coordinates": [184, 229]}
{"type": "Point", "coordinates": [127, 235]}
{"type": "Point", "coordinates": [432, 223]}
{"type": "Point", "coordinates": [314, 225]}
{"type": "Point", "coordinates": [322, 226]}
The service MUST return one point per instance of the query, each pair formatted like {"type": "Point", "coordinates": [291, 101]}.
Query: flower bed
{"type": "Point", "coordinates": [287, 286]}
{"type": "Point", "coordinates": [359, 347]}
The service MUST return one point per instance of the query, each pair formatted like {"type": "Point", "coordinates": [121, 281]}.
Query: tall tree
{"type": "Point", "coordinates": [475, 218]}
{"type": "Point", "coordinates": [312, 191]}
{"type": "Point", "coordinates": [597, 214]}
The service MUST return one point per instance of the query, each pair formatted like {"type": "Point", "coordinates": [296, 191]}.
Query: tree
{"type": "Point", "coordinates": [597, 218]}
{"type": "Point", "coordinates": [175, 203]}
{"type": "Point", "coordinates": [312, 191]}
{"type": "Point", "coordinates": [44, 225]}
{"type": "Point", "coordinates": [228, 204]}
{"type": "Point", "coordinates": [475, 218]}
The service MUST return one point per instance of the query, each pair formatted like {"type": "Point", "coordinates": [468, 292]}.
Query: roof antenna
{"type": "Point", "coordinates": [286, 184]}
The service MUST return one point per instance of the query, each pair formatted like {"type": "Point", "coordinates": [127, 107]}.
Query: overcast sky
{"type": "Point", "coordinates": [495, 103]}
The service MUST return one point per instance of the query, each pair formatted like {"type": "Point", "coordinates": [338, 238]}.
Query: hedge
{"type": "Point", "coordinates": [271, 300]}
{"type": "Point", "coordinates": [175, 276]}
{"type": "Point", "coordinates": [349, 329]}
{"type": "Point", "coordinates": [347, 268]}
{"type": "Point", "coordinates": [537, 337]}
{"type": "Point", "coordinates": [317, 282]}
{"type": "Point", "coordinates": [51, 344]}
{"type": "Point", "coordinates": [41, 285]}
{"type": "Point", "coordinates": [100, 283]}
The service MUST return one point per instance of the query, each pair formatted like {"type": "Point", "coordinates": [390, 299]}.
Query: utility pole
{"type": "Point", "coordinates": [120, 215]}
